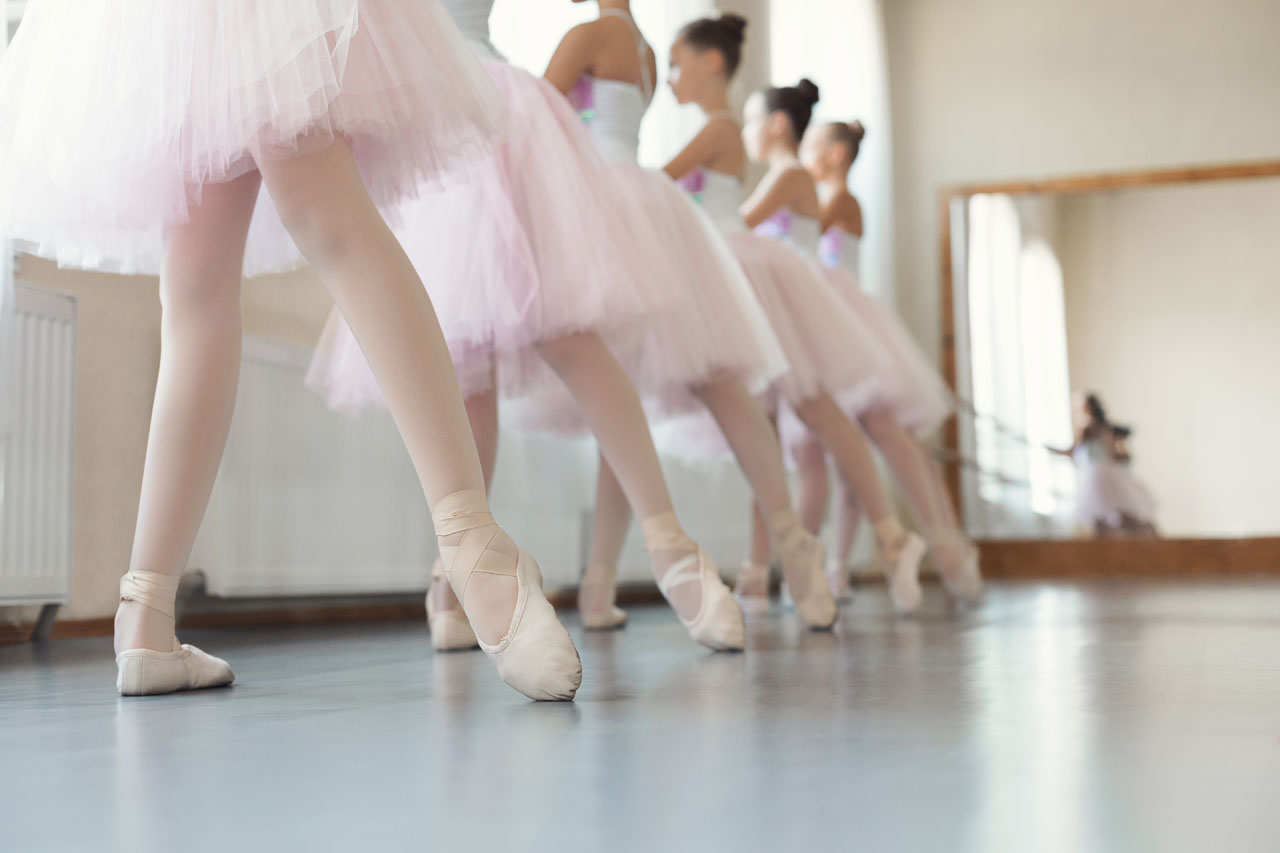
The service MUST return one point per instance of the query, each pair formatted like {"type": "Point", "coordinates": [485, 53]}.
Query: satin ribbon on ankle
{"type": "Point", "coordinates": [152, 590]}
{"type": "Point", "coordinates": [467, 512]}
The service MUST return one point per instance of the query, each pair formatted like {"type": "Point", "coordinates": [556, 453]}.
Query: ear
{"type": "Point", "coordinates": [779, 125]}
{"type": "Point", "coordinates": [712, 62]}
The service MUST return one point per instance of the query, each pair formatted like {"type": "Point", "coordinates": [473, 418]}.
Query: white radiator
{"type": "Point", "coordinates": [37, 440]}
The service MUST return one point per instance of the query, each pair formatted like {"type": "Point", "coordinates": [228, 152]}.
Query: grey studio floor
{"type": "Point", "coordinates": [1124, 716]}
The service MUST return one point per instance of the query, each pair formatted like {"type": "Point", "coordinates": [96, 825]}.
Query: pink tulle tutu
{"type": "Point", "coordinates": [828, 348]}
{"type": "Point", "coordinates": [538, 244]}
{"type": "Point", "coordinates": [117, 114]}
{"type": "Point", "coordinates": [909, 386]}
{"type": "Point", "coordinates": [714, 329]}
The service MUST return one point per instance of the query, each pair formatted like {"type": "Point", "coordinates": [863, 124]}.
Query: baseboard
{"type": "Point", "coordinates": [1138, 558]}
{"type": "Point", "coordinates": [1001, 560]}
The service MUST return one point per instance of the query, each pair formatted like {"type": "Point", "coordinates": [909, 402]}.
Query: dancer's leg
{"type": "Point", "coordinates": [755, 444]}
{"type": "Point", "coordinates": [482, 414]}
{"type": "Point", "coordinates": [848, 520]}
{"type": "Point", "coordinates": [327, 210]}
{"type": "Point", "coordinates": [597, 591]}
{"type": "Point", "coordinates": [901, 451]}
{"type": "Point", "coordinates": [611, 406]}
{"type": "Point", "coordinates": [813, 483]}
{"type": "Point", "coordinates": [612, 518]}
{"type": "Point", "coordinates": [200, 334]}
{"type": "Point", "coordinates": [844, 440]}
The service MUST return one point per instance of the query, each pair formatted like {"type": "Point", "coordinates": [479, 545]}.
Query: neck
{"type": "Point", "coordinates": [782, 155]}
{"type": "Point", "coordinates": [831, 186]}
{"type": "Point", "coordinates": [715, 101]}
{"type": "Point", "coordinates": [620, 5]}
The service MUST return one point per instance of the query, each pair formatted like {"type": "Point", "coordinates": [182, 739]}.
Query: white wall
{"type": "Point", "coordinates": [1173, 302]}
{"type": "Point", "coordinates": [1003, 89]}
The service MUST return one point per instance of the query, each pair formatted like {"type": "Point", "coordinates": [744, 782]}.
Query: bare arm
{"type": "Point", "coordinates": [573, 58]}
{"type": "Point", "coordinates": [771, 195]}
{"type": "Point", "coordinates": [702, 150]}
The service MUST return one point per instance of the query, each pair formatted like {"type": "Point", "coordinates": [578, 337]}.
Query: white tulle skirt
{"type": "Point", "coordinates": [117, 114]}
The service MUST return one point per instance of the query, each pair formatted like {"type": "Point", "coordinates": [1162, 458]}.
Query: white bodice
{"type": "Point", "coordinates": [472, 18]}
{"type": "Point", "coordinates": [838, 249]}
{"type": "Point", "coordinates": [613, 111]}
{"type": "Point", "coordinates": [720, 196]}
{"type": "Point", "coordinates": [799, 232]}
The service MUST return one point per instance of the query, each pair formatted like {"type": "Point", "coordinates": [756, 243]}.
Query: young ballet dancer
{"type": "Point", "coordinates": [1105, 499]}
{"type": "Point", "coordinates": [146, 154]}
{"type": "Point", "coordinates": [910, 399]}
{"type": "Point", "coordinates": [1140, 501]}
{"type": "Point", "coordinates": [529, 265]}
{"type": "Point", "coordinates": [714, 347]}
{"type": "Point", "coordinates": [827, 349]}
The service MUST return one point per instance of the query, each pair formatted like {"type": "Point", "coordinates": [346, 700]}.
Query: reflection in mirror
{"type": "Point", "coordinates": [1113, 357]}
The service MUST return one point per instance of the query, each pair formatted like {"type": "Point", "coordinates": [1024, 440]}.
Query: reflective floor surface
{"type": "Point", "coordinates": [1065, 717]}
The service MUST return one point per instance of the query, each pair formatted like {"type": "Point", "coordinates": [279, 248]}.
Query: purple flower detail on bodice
{"type": "Point", "coordinates": [777, 226]}
{"type": "Point", "coordinates": [583, 98]}
{"type": "Point", "coordinates": [695, 183]}
{"type": "Point", "coordinates": [830, 247]}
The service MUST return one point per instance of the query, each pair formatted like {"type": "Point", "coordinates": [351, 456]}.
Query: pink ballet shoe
{"type": "Point", "coordinates": [965, 585]}
{"type": "Point", "coordinates": [536, 655]}
{"type": "Point", "coordinates": [597, 592]}
{"type": "Point", "coordinates": [902, 571]}
{"type": "Point", "coordinates": [752, 587]}
{"type": "Point", "coordinates": [803, 556]}
{"type": "Point", "coordinates": [147, 672]}
{"type": "Point", "coordinates": [718, 624]}
{"type": "Point", "coordinates": [839, 582]}
{"type": "Point", "coordinates": [450, 629]}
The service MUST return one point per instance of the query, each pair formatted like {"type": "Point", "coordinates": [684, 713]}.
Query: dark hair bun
{"type": "Point", "coordinates": [808, 91]}
{"type": "Point", "coordinates": [734, 25]}
{"type": "Point", "coordinates": [857, 131]}
{"type": "Point", "coordinates": [724, 34]}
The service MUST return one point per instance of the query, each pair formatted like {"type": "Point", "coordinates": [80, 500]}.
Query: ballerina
{"type": "Point", "coordinates": [531, 266]}
{"type": "Point", "coordinates": [711, 350]}
{"type": "Point", "coordinates": [909, 400]}
{"type": "Point", "coordinates": [146, 155]}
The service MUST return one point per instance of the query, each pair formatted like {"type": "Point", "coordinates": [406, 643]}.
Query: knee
{"type": "Point", "coordinates": [567, 350]}
{"type": "Point", "coordinates": [320, 231]}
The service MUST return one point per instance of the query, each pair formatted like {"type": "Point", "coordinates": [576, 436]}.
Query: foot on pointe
{"type": "Point", "coordinates": [535, 655]}
{"type": "Point", "coordinates": [450, 629]}
{"type": "Point", "coordinates": [802, 557]}
{"type": "Point", "coordinates": [717, 622]}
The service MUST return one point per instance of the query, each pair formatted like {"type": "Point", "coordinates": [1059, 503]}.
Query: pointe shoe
{"type": "Point", "coordinates": [147, 672]}
{"type": "Point", "coordinates": [718, 624]}
{"type": "Point", "coordinates": [536, 655]}
{"type": "Point", "coordinates": [838, 581]}
{"type": "Point", "coordinates": [966, 586]}
{"type": "Point", "coordinates": [803, 555]}
{"type": "Point", "coordinates": [752, 587]}
{"type": "Point", "coordinates": [450, 629]}
{"type": "Point", "coordinates": [596, 594]}
{"type": "Point", "coordinates": [902, 571]}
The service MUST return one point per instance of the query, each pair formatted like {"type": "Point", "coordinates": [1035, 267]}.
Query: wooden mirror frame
{"type": "Point", "coordinates": [1030, 558]}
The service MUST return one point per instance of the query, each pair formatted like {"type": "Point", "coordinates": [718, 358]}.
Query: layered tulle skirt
{"type": "Point", "coordinates": [539, 243]}
{"type": "Point", "coordinates": [827, 347]}
{"type": "Point", "coordinates": [1103, 494]}
{"type": "Point", "coordinates": [909, 387]}
{"type": "Point", "coordinates": [117, 114]}
{"type": "Point", "coordinates": [714, 328]}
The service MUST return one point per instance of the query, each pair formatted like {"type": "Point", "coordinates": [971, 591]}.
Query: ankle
{"type": "Point", "coordinates": [890, 534]}
{"type": "Point", "coordinates": [665, 541]}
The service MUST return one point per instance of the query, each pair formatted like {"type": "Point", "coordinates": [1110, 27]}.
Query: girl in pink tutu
{"type": "Point", "coordinates": [146, 154]}
{"type": "Point", "coordinates": [529, 266]}
{"type": "Point", "coordinates": [712, 351]}
{"type": "Point", "coordinates": [909, 400]}
{"type": "Point", "coordinates": [827, 349]}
